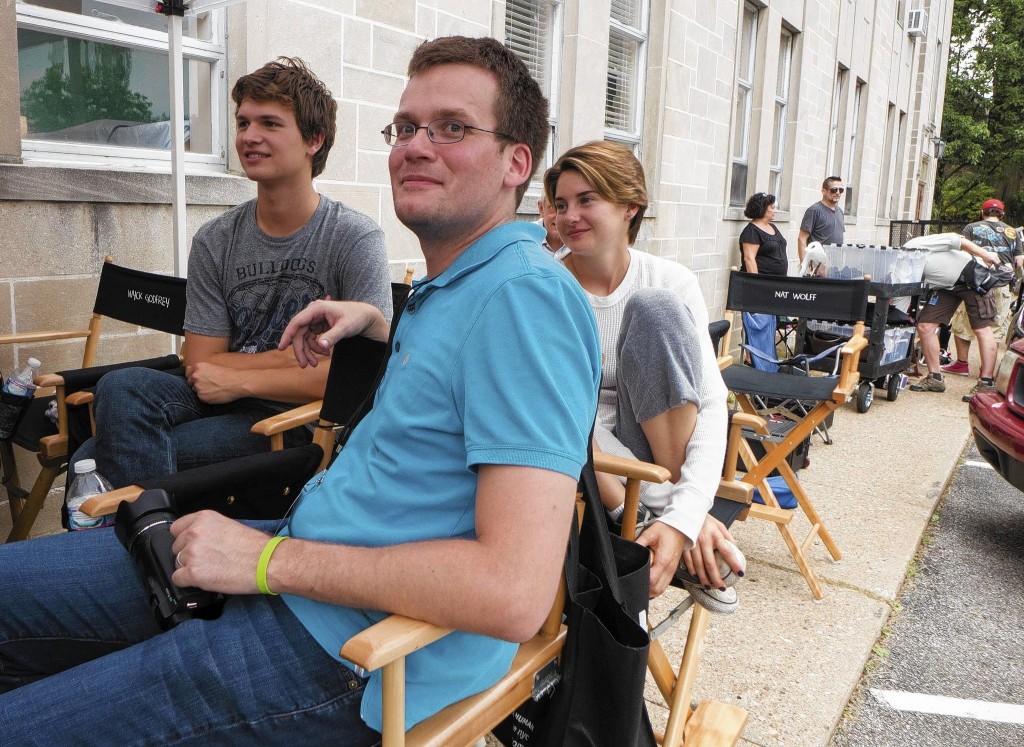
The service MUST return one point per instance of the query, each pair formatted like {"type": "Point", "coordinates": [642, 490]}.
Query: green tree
{"type": "Point", "coordinates": [983, 116]}
{"type": "Point", "coordinates": [93, 85]}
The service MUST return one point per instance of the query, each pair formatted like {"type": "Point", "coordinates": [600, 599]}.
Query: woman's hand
{"type": "Point", "coordinates": [700, 559]}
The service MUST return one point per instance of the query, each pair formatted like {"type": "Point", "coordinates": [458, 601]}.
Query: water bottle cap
{"type": "Point", "coordinates": [34, 362]}
{"type": "Point", "coordinates": [85, 465]}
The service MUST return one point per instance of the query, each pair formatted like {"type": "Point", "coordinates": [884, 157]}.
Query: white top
{"type": "Point", "coordinates": [945, 261]}
{"type": "Point", "coordinates": [684, 505]}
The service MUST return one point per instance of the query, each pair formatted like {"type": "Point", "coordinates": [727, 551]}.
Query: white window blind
{"type": "Point", "coordinates": [528, 34]}
{"type": "Point", "coordinates": [533, 32]}
{"type": "Point", "coordinates": [624, 89]}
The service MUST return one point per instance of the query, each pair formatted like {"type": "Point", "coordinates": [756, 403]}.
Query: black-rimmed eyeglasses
{"type": "Point", "coordinates": [837, 190]}
{"type": "Point", "coordinates": [440, 131]}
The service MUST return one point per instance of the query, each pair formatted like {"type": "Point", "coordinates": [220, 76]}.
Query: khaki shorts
{"type": "Point", "coordinates": [962, 328]}
{"type": "Point", "coordinates": [940, 305]}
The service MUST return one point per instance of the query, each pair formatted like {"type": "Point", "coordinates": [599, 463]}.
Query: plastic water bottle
{"type": "Point", "coordinates": [88, 482]}
{"type": "Point", "coordinates": [21, 384]}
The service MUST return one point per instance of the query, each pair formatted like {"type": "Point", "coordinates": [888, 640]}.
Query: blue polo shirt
{"type": "Point", "coordinates": [496, 361]}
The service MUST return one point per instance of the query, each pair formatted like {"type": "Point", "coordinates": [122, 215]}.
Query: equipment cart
{"type": "Point", "coordinates": [890, 332]}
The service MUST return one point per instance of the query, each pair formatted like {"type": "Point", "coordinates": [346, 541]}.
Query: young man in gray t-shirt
{"type": "Point", "coordinates": [250, 270]}
{"type": "Point", "coordinates": [823, 221]}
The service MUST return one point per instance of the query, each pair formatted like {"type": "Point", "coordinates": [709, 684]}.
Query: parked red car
{"type": "Point", "coordinates": [997, 417]}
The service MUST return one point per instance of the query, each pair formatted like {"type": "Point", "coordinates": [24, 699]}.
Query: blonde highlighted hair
{"type": "Point", "coordinates": [611, 169]}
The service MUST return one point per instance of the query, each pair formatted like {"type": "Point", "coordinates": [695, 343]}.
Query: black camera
{"type": "Point", "coordinates": [143, 526]}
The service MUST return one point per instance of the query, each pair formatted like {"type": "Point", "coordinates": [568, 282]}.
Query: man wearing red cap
{"type": "Point", "coordinates": [989, 232]}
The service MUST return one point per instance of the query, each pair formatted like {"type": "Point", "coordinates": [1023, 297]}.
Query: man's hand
{"type": "Point", "coordinates": [666, 546]}
{"type": "Point", "coordinates": [213, 384]}
{"type": "Point", "coordinates": [700, 559]}
{"type": "Point", "coordinates": [216, 553]}
{"type": "Point", "coordinates": [314, 330]}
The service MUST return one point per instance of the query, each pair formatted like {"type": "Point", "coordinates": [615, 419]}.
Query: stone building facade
{"type": "Point", "coordinates": [720, 100]}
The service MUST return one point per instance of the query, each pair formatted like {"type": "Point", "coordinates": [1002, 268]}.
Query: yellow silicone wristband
{"type": "Point", "coordinates": [264, 562]}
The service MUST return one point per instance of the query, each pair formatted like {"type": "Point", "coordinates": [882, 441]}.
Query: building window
{"type": "Point", "coordinates": [781, 131]}
{"type": "Point", "coordinates": [627, 64]}
{"type": "Point", "coordinates": [533, 30]}
{"type": "Point", "coordinates": [93, 82]}
{"type": "Point", "coordinates": [835, 144]}
{"type": "Point", "coordinates": [886, 186]}
{"type": "Point", "coordinates": [747, 54]}
{"type": "Point", "coordinates": [853, 161]}
{"type": "Point", "coordinates": [896, 168]}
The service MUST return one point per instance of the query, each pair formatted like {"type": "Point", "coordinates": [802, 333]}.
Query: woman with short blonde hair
{"type": "Point", "coordinates": [662, 397]}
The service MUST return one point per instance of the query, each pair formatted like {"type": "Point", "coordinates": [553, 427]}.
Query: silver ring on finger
{"type": "Point", "coordinates": [177, 561]}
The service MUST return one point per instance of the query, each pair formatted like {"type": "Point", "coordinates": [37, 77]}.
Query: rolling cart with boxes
{"type": "Point", "coordinates": [890, 331]}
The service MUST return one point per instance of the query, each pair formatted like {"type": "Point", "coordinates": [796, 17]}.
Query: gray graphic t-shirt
{"type": "Point", "coordinates": [246, 285]}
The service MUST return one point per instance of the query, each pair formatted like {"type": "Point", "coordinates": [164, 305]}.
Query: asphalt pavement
{"type": "Point", "coordinates": [950, 664]}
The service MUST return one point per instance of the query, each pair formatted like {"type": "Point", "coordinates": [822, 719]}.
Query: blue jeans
{"type": "Point", "coordinates": [151, 423]}
{"type": "Point", "coordinates": [82, 660]}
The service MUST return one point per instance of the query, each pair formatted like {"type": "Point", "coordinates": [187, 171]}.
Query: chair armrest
{"type": "Point", "coordinates": [23, 337]}
{"type": "Point", "coordinates": [285, 421]}
{"type": "Point", "coordinates": [848, 375]}
{"type": "Point", "coordinates": [47, 380]}
{"type": "Point", "coordinates": [630, 468]}
{"type": "Point", "coordinates": [732, 490]}
{"type": "Point", "coordinates": [106, 503]}
{"type": "Point", "coordinates": [391, 639]}
{"type": "Point", "coordinates": [80, 398]}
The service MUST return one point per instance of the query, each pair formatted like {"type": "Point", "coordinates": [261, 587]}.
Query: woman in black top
{"type": "Point", "coordinates": [762, 243]}
{"type": "Point", "coordinates": [764, 251]}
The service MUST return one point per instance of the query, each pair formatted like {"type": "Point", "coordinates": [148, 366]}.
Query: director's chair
{"type": "Point", "coordinates": [144, 299]}
{"type": "Point", "coordinates": [808, 298]}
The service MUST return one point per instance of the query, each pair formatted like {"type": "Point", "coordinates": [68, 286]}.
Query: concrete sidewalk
{"type": "Point", "coordinates": [793, 662]}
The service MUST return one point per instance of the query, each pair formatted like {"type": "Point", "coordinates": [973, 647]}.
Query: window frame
{"type": "Point", "coordinates": [632, 139]}
{"type": "Point", "coordinates": [783, 93]}
{"type": "Point", "coordinates": [746, 87]}
{"type": "Point", "coordinates": [88, 28]}
{"type": "Point", "coordinates": [856, 139]}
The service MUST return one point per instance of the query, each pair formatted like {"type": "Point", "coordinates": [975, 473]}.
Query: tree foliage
{"type": "Point", "coordinates": [92, 82]}
{"type": "Point", "coordinates": [983, 115]}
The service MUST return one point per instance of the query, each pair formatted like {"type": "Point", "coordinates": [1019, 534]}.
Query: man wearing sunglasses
{"type": "Point", "coordinates": [823, 221]}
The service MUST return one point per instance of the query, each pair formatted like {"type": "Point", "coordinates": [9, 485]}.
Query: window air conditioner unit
{"type": "Point", "coordinates": [917, 23]}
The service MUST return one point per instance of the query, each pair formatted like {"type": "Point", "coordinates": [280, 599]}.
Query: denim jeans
{"type": "Point", "coordinates": [82, 660]}
{"type": "Point", "coordinates": [151, 423]}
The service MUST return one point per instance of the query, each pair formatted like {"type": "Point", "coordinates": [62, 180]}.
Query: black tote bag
{"type": "Point", "coordinates": [599, 701]}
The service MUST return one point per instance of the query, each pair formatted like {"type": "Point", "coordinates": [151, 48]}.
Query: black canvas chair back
{"type": "Point", "coordinates": [807, 298]}
{"type": "Point", "coordinates": [143, 298]}
{"type": "Point", "coordinates": [357, 365]}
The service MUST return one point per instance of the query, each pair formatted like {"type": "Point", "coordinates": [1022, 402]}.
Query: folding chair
{"type": "Point", "coordinates": [349, 385]}
{"type": "Point", "coordinates": [140, 298]}
{"type": "Point", "coordinates": [807, 298]}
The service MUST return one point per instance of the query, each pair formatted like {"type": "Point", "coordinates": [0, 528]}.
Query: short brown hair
{"type": "Point", "coordinates": [289, 81]}
{"type": "Point", "coordinates": [611, 169]}
{"type": "Point", "coordinates": [521, 111]}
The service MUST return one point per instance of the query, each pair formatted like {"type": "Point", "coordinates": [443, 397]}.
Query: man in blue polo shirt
{"type": "Point", "coordinates": [450, 503]}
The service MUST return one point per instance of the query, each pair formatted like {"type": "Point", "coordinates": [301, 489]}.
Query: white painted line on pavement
{"type": "Point", "coordinates": [1006, 713]}
{"type": "Point", "coordinates": [973, 463]}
